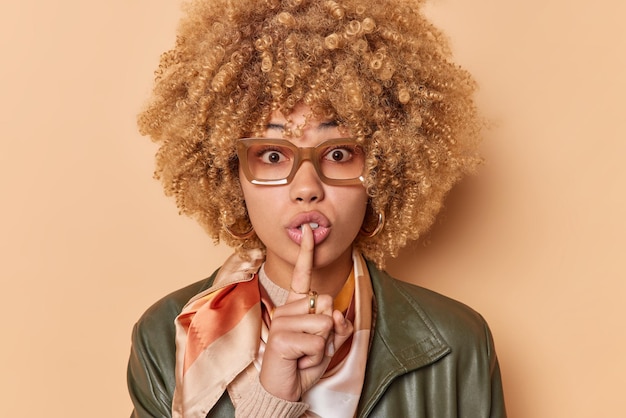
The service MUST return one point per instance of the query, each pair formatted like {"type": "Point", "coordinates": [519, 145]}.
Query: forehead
{"type": "Point", "coordinates": [300, 115]}
{"type": "Point", "coordinates": [301, 126]}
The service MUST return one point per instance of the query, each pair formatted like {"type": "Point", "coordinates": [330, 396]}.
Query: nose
{"type": "Point", "coordinates": [306, 185]}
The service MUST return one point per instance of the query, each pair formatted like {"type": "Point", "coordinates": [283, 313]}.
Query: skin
{"type": "Point", "coordinates": [301, 345]}
{"type": "Point", "coordinates": [272, 209]}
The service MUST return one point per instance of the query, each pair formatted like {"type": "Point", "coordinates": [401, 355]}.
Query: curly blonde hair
{"type": "Point", "coordinates": [380, 69]}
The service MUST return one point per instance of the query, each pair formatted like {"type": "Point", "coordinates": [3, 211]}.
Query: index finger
{"type": "Point", "coordinates": [301, 279]}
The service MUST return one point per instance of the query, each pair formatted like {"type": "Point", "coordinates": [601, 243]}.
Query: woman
{"type": "Point", "coordinates": [316, 138]}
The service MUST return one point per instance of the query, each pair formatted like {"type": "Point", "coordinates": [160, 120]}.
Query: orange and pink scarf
{"type": "Point", "coordinates": [221, 335]}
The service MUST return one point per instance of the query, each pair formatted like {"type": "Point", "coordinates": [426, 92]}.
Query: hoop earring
{"type": "Point", "coordinates": [379, 227]}
{"type": "Point", "coordinates": [240, 235]}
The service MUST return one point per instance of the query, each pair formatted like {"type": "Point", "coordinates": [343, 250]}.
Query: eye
{"type": "Point", "coordinates": [340, 154]}
{"type": "Point", "coordinates": [271, 156]}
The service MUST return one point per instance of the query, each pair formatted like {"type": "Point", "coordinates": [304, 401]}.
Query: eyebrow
{"type": "Point", "coordinates": [276, 126]}
{"type": "Point", "coordinates": [323, 125]}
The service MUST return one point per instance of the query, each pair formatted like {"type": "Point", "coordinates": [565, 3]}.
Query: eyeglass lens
{"type": "Point", "coordinates": [276, 159]}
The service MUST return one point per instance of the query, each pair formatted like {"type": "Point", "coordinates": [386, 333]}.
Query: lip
{"type": "Point", "coordinates": [319, 235]}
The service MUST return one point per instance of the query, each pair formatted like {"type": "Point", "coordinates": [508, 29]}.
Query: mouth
{"type": "Point", "coordinates": [320, 225]}
{"type": "Point", "coordinates": [313, 225]}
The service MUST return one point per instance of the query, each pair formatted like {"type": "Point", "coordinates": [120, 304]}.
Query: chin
{"type": "Point", "coordinates": [327, 256]}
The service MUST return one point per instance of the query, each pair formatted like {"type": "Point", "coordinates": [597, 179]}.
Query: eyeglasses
{"type": "Point", "coordinates": [274, 162]}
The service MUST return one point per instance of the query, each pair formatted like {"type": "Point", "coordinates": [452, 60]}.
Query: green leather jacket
{"type": "Point", "coordinates": [430, 356]}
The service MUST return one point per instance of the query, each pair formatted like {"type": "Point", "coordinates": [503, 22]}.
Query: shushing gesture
{"type": "Point", "coordinates": [304, 335]}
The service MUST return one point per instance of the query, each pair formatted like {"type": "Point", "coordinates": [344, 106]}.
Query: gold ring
{"type": "Point", "coordinates": [312, 301]}
{"type": "Point", "coordinates": [306, 292]}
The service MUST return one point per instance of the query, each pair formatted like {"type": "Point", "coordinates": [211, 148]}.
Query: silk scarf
{"type": "Point", "coordinates": [221, 335]}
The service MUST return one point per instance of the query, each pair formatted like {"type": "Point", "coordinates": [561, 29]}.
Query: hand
{"type": "Point", "coordinates": [300, 345]}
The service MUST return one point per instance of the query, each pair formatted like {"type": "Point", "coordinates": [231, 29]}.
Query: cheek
{"type": "Point", "coordinates": [353, 206]}
{"type": "Point", "coordinates": [258, 201]}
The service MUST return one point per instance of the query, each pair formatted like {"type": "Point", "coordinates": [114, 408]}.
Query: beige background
{"type": "Point", "coordinates": [535, 242]}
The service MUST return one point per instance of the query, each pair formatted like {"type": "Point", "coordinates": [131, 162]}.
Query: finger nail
{"type": "Point", "coordinates": [330, 349]}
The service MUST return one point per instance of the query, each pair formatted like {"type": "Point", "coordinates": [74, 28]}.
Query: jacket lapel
{"type": "Point", "coordinates": [404, 338]}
